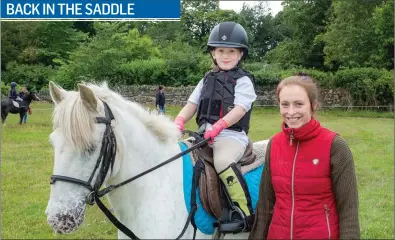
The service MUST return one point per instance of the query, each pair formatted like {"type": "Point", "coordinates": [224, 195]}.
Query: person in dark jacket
{"type": "Point", "coordinates": [160, 100]}
{"type": "Point", "coordinates": [23, 92]}
{"type": "Point", "coordinates": [13, 94]}
{"type": "Point", "coordinates": [308, 188]}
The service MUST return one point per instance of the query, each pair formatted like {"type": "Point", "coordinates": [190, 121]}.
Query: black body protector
{"type": "Point", "coordinates": [218, 95]}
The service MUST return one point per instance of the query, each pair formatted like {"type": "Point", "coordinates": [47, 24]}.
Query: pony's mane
{"type": "Point", "coordinates": [77, 121]}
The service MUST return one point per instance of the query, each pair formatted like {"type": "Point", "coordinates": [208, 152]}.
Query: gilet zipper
{"type": "Point", "coordinates": [291, 137]}
{"type": "Point", "coordinates": [327, 220]}
{"type": "Point", "coordinates": [292, 189]}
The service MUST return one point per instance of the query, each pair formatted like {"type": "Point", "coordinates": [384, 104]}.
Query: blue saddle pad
{"type": "Point", "coordinates": [204, 221]}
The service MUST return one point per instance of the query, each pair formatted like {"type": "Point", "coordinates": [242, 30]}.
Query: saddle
{"type": "Point", "coordinates": [209, 185]}
{"type": "Point", "coordinates": [18, 103]}
{"type": "Point", "coordinates": [15, 103]}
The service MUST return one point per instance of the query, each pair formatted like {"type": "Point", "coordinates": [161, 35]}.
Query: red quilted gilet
{"type": "Point", "coordinates": [305, 206]}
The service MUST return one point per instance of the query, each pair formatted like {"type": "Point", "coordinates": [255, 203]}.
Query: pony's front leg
{"type": "Point", "coordinates": [21, 115]}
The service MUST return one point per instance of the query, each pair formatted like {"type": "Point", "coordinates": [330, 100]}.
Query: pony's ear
{"type": "Point", "coordinates": [88, 97]}
{"type": "Point", "coordinates": [57, 93]}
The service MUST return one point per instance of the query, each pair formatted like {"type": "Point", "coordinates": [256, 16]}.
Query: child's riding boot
{"type": "Point", "coordinates": [240, 215]}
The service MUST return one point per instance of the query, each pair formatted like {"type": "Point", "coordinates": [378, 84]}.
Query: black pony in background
{"type": "Point", "coordinates": [17, 107]}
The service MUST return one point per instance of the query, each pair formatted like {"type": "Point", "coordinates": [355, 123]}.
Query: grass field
{"type": "Point", "coordinates": [27, 163]}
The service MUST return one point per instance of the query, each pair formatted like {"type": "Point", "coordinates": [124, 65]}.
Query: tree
{"type": "Point", "coordinates": [163, 32]}
{"type": "Point", "coordinates": [301, 22]}
{"type": "Point", "coordinates": [262, 34]}
{"type": "Point", "coordinates": [350, 39]}
{"type": "Point", "coordinates": [17, 43]}
{"type": "Point", "coordinates": [103, 55]}
{"type": "Point", "coordinates": [85, 27]}
{"type": "Point", "coordinates": [383, 24]}
{"type": "Point", "coordinates": [198, 18]}
{"type": "Point", "coordinates": [55, 41]}
{"type": "Point", "coordinates": [30, 50]}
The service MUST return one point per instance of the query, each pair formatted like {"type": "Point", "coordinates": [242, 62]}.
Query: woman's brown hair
{"type": "Point", "coordinates": [304, 81]}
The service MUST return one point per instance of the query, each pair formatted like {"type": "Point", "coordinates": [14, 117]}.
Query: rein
{"type": "Point", "coordinates": [112, 187]}
{"type": "Point", "coordinates": [107, 158]}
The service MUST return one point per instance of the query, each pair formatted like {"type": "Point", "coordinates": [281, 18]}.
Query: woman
{"type": "Point", "coordinates": [308, 188]}
{"type": "Point", "coordinates": [22, 94]}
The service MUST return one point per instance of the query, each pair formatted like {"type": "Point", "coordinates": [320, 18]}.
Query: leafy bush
{"type": "Point", "coordinates": [267, 78]}
{"type": "Point", "coordinates": [147, 72]}
{"type": "Point", "coordinates": [102, 57]}
{"type": "Point", "coordinates": [384, 88]}
{"type": "Point", "coordinates": [367, 86]}
{"type": "Point", "coordinates": [323, 79]}
{"type": "Point", "coordinates": [185, 65]}
{"type": "Point", "coordinates": [31, 75]}
{"type": "Point", "coordinates": [5, 88]}
{"type": "Point", "coordinates": [257, 66]}
{"type": "Point", "coordinates": [271, 76]}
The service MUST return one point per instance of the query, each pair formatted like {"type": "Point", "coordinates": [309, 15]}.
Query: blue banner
{"type": "Point", "coordinates": [90, 9]}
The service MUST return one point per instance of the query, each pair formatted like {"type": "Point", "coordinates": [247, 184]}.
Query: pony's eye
{"type": "Point", "coordinates": [91, 149]}
{"type": "Point", "coordinates": [88, 152]}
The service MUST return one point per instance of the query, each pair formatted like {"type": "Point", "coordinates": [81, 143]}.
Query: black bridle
{"type": "Point", "coordinates": [105, 161]}
{"type": "Point", "coordinates": [106, 158]}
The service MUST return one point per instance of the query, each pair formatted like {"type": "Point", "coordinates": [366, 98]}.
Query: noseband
{"type": "Point", "coordinates": [106, 158]}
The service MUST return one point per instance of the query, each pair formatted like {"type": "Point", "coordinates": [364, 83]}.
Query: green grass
{"type": "Point", "coordinates": [27, 163]}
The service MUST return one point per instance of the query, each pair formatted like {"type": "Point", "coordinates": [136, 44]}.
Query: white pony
{"type": "Point", "coordinates": [151, 206]}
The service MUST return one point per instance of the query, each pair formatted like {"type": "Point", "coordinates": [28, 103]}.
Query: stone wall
{"type": "Point", "coordinates": [179, 95]}
{"type": "Point", "coordinates": [265, 97]}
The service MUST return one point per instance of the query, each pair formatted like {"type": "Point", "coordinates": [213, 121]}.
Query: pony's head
{"type": "Point", "coordinates": [31, 96]}
{"type": "Point", "coordinates": [35, 96]}
{"type": "Point", "coordinates": [77, 140]}
{"type": "Point", "coordinates": [83, 140]}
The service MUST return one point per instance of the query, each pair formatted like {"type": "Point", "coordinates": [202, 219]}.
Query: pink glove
{"type": "Point", "coordinates": [179, 121]}
{"type": "Point", "coordinates": [216, 129]}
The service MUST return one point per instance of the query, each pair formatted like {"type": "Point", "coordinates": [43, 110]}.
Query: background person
{"type": "Point", "coordinates": [160, 100]}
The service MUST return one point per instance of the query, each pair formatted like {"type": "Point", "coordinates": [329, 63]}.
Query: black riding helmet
{"type": "Point", "coordinates": [229, 35]}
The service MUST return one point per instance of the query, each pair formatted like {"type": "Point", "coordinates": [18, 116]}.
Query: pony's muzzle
{"type": "Point", "coordinates": [63, 223]}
